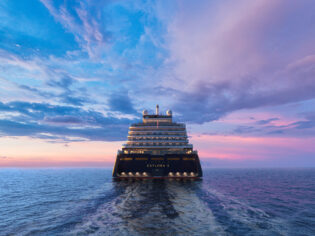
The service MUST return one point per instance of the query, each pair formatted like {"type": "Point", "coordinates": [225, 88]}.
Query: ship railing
{"type": "Point", "coordinates": [159, 152]}
{"type": "Point", "coordinates": [159, 143]}
{"type": "Point", "coordinates": [159, 135]}
{"type": "Point", "coordinates": [155, 124]}
{"type": "Point", "coordinates": [156, 131]}
{"type": "Point", "coordinates": [145, 128]}
{"type": "Point", "coordinates": [158, 140]}
{"type": "Point", "coordinates": [157, 146]}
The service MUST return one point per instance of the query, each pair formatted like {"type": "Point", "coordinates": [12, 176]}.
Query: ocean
{"type": "Point", "coordinates": [225, 202]}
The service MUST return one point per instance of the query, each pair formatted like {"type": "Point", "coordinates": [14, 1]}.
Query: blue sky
{"type": "Point", "coordinates": [82, 71]}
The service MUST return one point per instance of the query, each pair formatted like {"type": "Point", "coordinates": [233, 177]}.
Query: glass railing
{"type": "Point", "coordinates": [157, 146]}
{"type": "Point", "coordinates": [155, 132]}
{"type": "Point", "coordinates": [154, 124]}
{"type": "Point", "coordinates": [157, 140]}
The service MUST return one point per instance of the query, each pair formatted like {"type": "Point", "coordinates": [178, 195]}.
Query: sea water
{"type": "Point", "coordinates": [224, 202]}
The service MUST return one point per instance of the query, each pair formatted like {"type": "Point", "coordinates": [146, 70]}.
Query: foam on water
{"type": "Point", "coordinates": [225, 202]}
{"type": "Point", "coordinates": [152, 207]}
{"type": "Point", "coordinates": [239, 214]}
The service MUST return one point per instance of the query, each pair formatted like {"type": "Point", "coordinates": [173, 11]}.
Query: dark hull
{"type": "Point", "coordinates": [156, 166]}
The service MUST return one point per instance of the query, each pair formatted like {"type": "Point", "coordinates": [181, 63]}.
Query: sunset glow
{"type": "Point", "coordinates": [75, 75]}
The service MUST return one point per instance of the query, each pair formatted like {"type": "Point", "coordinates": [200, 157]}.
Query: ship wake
{"type": "Point", "coordinates": [152, 208]}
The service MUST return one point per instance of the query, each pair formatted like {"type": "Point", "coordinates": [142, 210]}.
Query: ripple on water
{"type": "Point", "coordinates": [225, 202]}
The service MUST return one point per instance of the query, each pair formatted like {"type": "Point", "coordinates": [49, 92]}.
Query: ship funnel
{"type": "Point", "coordinates": [157, 109]}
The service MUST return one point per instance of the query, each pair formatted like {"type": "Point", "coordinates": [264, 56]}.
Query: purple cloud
{"type": "Point", "coordinates": [233, 56]}
{"type": "Point", "coordinates": [264, 122]}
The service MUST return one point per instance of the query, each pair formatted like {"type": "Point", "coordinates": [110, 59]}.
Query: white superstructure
{"type": "Point", "coordinates": [157, 133]}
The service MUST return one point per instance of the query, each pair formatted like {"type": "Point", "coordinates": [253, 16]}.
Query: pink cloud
{"type": "Point", "coordinates": [217, 41]}
{"type": "Point", "coordinates": [230, 56]}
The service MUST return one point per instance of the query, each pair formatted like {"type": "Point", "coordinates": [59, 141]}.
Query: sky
{"type": "Point", "coordinates": [75, 74]}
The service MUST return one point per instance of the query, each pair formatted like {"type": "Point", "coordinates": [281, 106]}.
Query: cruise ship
{"type": "Point", "coordinates": [157, 147]}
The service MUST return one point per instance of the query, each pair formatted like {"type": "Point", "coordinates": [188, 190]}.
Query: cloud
{"type": "Point", "coordinates": [60, 122]}
{"type": "Point", "coordinates": [246, 129]}
{"type": "Point", "coordinates": [48, 80]}
{"type": "Point", "coordinates": [121, 102]}
{"type": "Point", "coordinates": [264, 122]}
{"type": "Point", "coordinates": [203, 60]}
{"type": "Point", "coordinates": [76, 101]}
{"type": "Point", "coordinates": [230, 57]}
{"type": "Point", "coordinates": [304, 124]}
{"type": "Point", "coordinates": [125, 58]}
{"type": "Point", "coordinates": [35, 91]}
{"type": "Point", "coordinates": [63, 120]}
{"type": "Point", "coordinates": [85, 21]}
{"type": "Point", "coordinates": [105, 133]}
{"type": "Point", "coordinates": [65, 82]}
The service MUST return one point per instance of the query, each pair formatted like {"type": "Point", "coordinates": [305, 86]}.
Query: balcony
{"type": "Point", "coordinates": [158, 146]}
{"type": "Point", "coordinates": [154, 124]}
{"type": "Point", "coordinates": [157, 132]}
